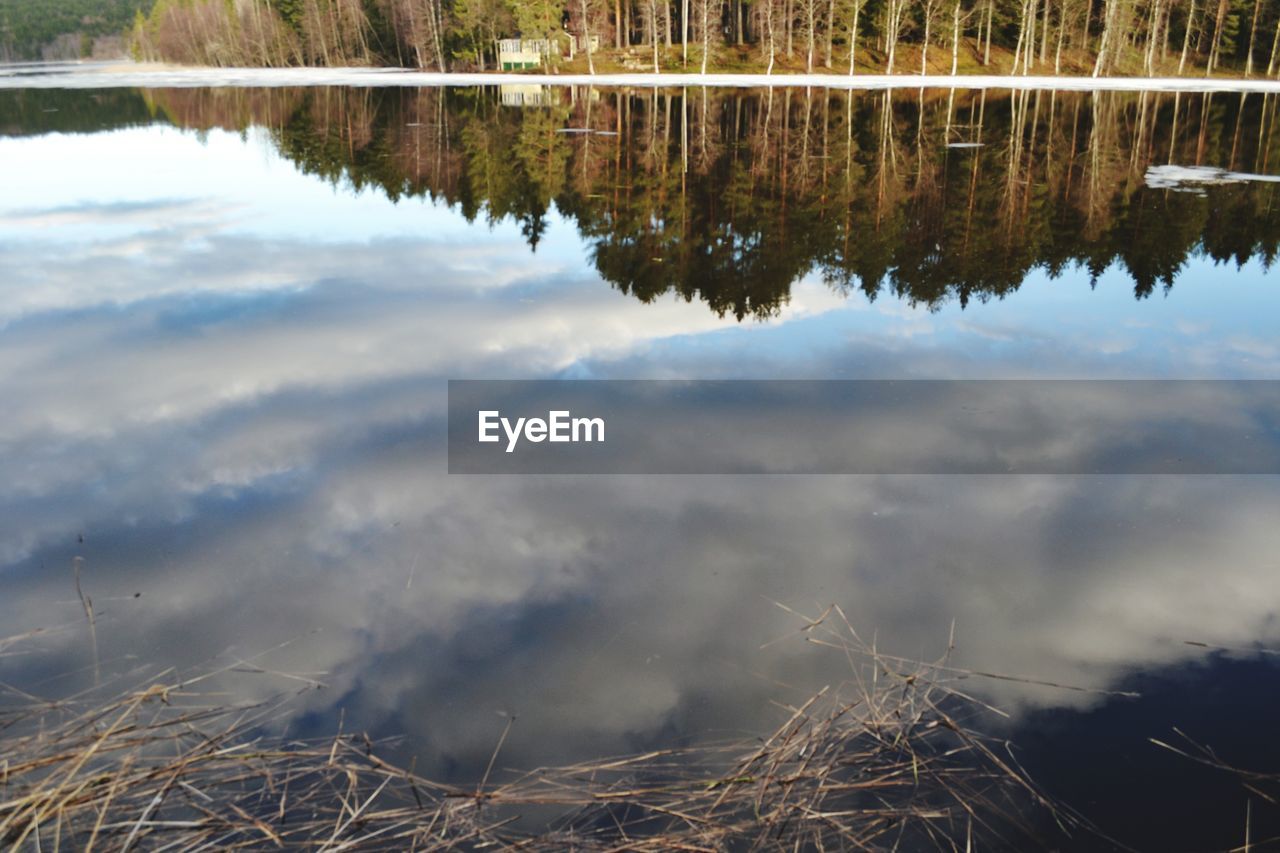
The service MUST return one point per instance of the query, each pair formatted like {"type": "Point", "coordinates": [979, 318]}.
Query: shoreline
{"type": "Point", "coordinates": [162, 75]}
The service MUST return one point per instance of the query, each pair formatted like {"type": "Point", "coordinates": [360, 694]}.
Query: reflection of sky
{"type": "Point", "coordinates": [229, 378]}
{"type": "Point", "coordinates": [257, 191]}
{"type": "Point", "coordinates": [1056, 328]}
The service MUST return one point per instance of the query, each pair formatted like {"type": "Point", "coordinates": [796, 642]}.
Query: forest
{"type": "Point", "coordinates": [62, 29]}
{"type": "Point", "coordinates": [1097, 37]}
{"type": "Point", "coordinates": [730, 197]}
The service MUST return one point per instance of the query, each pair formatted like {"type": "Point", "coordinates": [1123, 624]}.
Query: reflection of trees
{"type": "Point", "coordinates": [729, 198]}
{"type": "Point", "coordinates": [31, 112]}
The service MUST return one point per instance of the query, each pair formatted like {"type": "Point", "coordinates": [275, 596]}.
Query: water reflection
{"type": "Point", "coordinates": [732, 197]}
{"type": "Point", "coordinates": [227, 377]}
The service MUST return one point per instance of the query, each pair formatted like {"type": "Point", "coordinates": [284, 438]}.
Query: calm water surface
{"type": "Point", "coordinates": [227, 318]}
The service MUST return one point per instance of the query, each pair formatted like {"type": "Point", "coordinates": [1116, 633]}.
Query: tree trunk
{"type": "Point", "coordinates": [1062, 29]}
{"type": "Point", "coordinates": [1216, 46]}
{"type": "Point", "coordinates": [1022, 35]}
{"type": "Point", "coordinates": [768, 25]}
{"type": "Point", "coordinates": [1029, 57]}
{"type": "Point", "coordinates": [586, 38]}
{"type": "Point", "coordinates": [1253, 37]}
{"type": "Point", "coordinates": [1044, 33]}
{"type": "Point", "coordinates": [831, 31]}
{"type": "Point", "coordinates": [853, 34]}
{"type": "Point", "coordinates": [891, 33]}
{"type": "Point", "coordinates": [811, 11]}
{"type": "Point", "coordinates": [1105, 42]}
{"type": "Point", "coordinates": [653, 33]}
{"type": "Point", "coordinates": [1084, 31]}
{"type": "Point", "coordinates": [1149, 54]}
{"type": "Point", "coordinates": [789, 23]}
{"type": "Point", "coordinates": [1186, 38]}
{"type": "Point", "coordinates": [706, 34]}
{"type": "Point", "coordinates": [684, 32]}
{"type": "Point", "coordinates": [955, 38]}
{"type": "Point", "coordinates": [924, 48]}
{"type": "Point", "coordinates": [1275, 43]}
{"type": "Point", "coordinates": [986, 51]}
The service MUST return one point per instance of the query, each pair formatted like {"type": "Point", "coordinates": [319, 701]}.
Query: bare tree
{"type": "Point", "coordinates": [651, 12]}
{"type": "Point", "coordinates": [957, 26]}
{"type": "Point", "coordinates": [1108, 36]}
{"type": "Point", "coordinates": [586, 36]}
{"type": "Point", "coordinates": [853, 34]}
{"type": "Point", "coordinates": [1215, 46]}
{"type": "Point", "coordinates": [809, 13]}
{"type": "Point", "coordinates": [1253, 38]}
{"type": "Point", "coordinates": [895, 12]}
{"type": "Point", "coordinates": [1186, 38]}
{"type": "Point", "coordinates": [704, 8]}
{"type": "Point", "coordinates": [929, 11]}
{"type": "Point", "coordinates": [684, 32]}
{"type": "Point", "coordinates": [768, 12]}
{"type": "Point", "coordinates": [1275, 43]}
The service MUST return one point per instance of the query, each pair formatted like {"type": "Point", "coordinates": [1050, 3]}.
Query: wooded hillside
{"type": "Point", "coordinates": [56, 29]}
{"type": "Point", "coordinates": [1151, 37]}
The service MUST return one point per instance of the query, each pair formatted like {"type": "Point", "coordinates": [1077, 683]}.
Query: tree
{"type": "Point", "coordinates": [768, 13]}
{"type": "Point", "coordinates": [704, 12]}
{"type": "Point", "coordinates": [539, 19]}
{"type": "Point", "coordinates": [476, 25]}
{"type": "Point", "coordinates": [895, 12]}
{"type": "Point", "coordinates": [853, 33]}
{"type": "Point", "coordinates": [809, 16]}
{"type": "Point", "coordinates": [928, 12]}
{"type": "Point", "coordinates": [586, 33]}
{"type": "Point", "coordinates": [651, 10]}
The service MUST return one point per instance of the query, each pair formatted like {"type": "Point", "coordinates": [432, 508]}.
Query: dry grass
{"type": "Point", "coordinates": [884, 761]}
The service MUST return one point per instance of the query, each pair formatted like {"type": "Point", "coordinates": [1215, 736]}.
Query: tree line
{"type": "Point", "coordinates": [730, 198]}
{"type": "Point", "coordinates": [839, 36]}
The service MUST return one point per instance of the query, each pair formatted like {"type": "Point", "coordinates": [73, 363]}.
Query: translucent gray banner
{"type": "Point", "coordinates": [864, 427]}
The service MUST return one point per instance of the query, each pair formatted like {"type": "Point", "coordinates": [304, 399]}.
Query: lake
{"type": "Point", "coordinates": [229, 315]}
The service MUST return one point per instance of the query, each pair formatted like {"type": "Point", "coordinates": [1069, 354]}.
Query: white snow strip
{"type": "Point", "coordinates": [1174, 177]}
{"type": "Point", "coordinates": [95, 76]}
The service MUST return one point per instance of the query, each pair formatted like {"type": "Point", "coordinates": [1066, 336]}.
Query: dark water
{"type": "Point", "coordinates": [228, 317]}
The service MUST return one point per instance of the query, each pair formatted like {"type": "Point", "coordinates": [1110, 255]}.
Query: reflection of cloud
{"type": "Point", "coordinates": [115, 214]}
{"type": "Point", "coordinates": [190, 368]}
{"type": "Point", "coordinates": [248, 431]}
{"type": "Point", "coordinates": [605, 611]}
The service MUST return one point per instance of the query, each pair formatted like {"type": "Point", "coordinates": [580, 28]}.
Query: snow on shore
{"type": "Point", "coordinates": [142, 75]}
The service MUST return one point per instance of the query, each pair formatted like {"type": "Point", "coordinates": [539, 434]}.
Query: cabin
{"type": "Point", "coordinates": [518, 54]}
